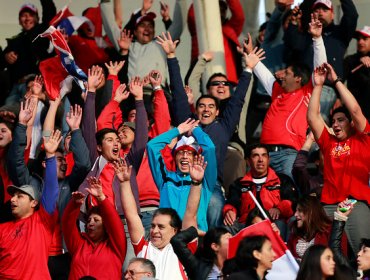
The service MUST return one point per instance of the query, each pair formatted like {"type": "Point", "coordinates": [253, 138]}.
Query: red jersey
{"type": "Point", "coordinates": [346, 168]}
{"type": "Point", "coordinates": [24, 246]}
{"type": "Point", "coordinates": [285, 122]}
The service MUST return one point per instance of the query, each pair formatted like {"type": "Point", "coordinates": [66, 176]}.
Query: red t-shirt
{"type": "Point", "coordinates": [24, 246]}
{"type": "Point", "coordinates": [346, 167]}
{"type": "Point", "coordinates": [285, 122]}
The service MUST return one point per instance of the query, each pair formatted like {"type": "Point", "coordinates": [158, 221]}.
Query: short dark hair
{"type": "Point", "coordinates": [146, 263]}
{"type": "Point", "coordinates": [214, 75]}
{"type": "Point", "coordinates": [343, 110]}
{"type": "Point", "coordinates": [244, 255]}
{"type": "Point", "coordinates": [8, 124]}
{"type": "Point", "coordinates": [250, 148]}
{"type": "Point", "coordinates": [301, 70]}
{"type": "Point", "coordinates": [217, 102]}
{"type": "Point", "coordinates": [212, 236]}
{"type": "Point", "coordinates": [101, 133]}
{"type": "Point", "coordinates": [175, 218]}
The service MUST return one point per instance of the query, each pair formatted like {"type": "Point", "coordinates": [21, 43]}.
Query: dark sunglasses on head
{"type": "Point", "coordinates": [218, 83]}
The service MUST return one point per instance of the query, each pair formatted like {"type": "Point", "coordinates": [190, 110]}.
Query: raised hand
{"type": "Point", "coordinates": [8, 116]}
{"type": "Point", "coordinates": [155, 78]}
{"type": "Point", "coordinates": [125, 41]}
{"type": "Point", "coordinates": [255, 56]}
{"type": "Point", "coordinates": [26, 111]}
{"type": "Point", "coordinates": [168, 45]}
{"type": "Point", "coordinates": [38, 82]}
{"type": "Point", "coordinates": [78, 197]}
{"type": "Point", "coordinates": [208, 55]}
{"type": "Point", "coordinates": [52, 142]}
{"type": "Point", "coordinates": [95, 77]}
{"type": "Point", "coordinates": [197, 168]}
{"type": "Point", "coordinates": [187, 125]}
{"type": "Point", "coordinates": [296, 16]}
{"type": "Point", "coordinates": [136, 88]}
{"type": "Point", "coordinates": [123, 172]}
{"type": "Point", "coordinates": [247, 45]}
{"type": "Point", "coordinates": [121, 93]}
{"type": "Point", "coordinates": [332, 76]}
{"type": "Point", "coordinates": [190, 95]}
{"type": "Point", "coordinates": [319, 75]}
{"type": "Point", "coordinates": [74, 117]}
{"type": "Point", "coordinates": [114, 67]}
{"type": "Point", "coordinates": [165, 11]}
{"type": "Point", "coordinates": [315, 26]}
{"type": "Point", "coordinates": [95, 188]}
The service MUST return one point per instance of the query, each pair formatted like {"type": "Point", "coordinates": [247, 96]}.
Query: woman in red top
{"type": "Point", "coordinates": [100, 251]}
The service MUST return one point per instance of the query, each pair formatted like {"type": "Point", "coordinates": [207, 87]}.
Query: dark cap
{"type": "Point", "coordinates": [27, 189]}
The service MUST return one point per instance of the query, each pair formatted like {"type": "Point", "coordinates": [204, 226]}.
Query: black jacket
{"type": "Point", "coordinates": [245, 275]}
{"type": "Point", "coordinates": [195, 267]}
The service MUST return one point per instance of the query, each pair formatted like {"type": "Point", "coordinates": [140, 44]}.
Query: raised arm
{"type": "Point", "coordinates": [179, 19]}
{"type": "Point", "coordinates": [51, 189]}
{"type": "Point", "coordinates": [82, 164]}
{"type": "Point", "coordinates": [95, 76]}
{"type": "Point", "coordinates": [314, 118]}
{"type": "Point", "coordinates": [180, 100]}
{"type": "Point", "coordinates": [319, 52]}
{"type": "Point", "coordinates": [196, 174]}
{"type": "Point", "coordinates": [112, 221]}
{"type": "Point", "coordinates": [348, 21]}
{"type": "Point", "coordinates": [135, 226]}
{"type": "Point", "coordinates": [348, 99]}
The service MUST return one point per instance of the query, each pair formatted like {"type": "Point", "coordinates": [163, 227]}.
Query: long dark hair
{"type": "Point", "coordinates": [316, 219]}
{"type": "Point", "coordinates": [310, 268]}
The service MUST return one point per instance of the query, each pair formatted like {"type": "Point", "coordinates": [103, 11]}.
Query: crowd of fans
{"type": "Point", "coordinates": [132, 173]}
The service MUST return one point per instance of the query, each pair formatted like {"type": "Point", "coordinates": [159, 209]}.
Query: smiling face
{"type": "Point", "coordinates": [265, 256]}
{"type": "Point", "coordinates": [183, 158]}
{"type": "Point", "coordinates": [259, 162]}
{"type": "Point", "coordinates": [363, 258]}
{"type": "Point", "coordinates": [300, 216]}
{"type": "Point", "coordinates": [327, 263]}
{"type": "Point", "coordinates": [144, 32]}
{"type": "Point", "coordinates": [95, 228]}
{"type": "Point", "coordinates": [5, 135]}
{"type": "Point", "coordinates": [110, 147]}
{"type": "Point", "coordinates": [161, 231]}
{"type": "Point", "coordinates": [219, 87]}
{"type": "Point", "coordinates": [28, 20]}
{"type": "Point", "coordinates": [126, 136]}
{"type": "Point", "coordinates": [22, 205]}
{"type": "Point", "coordinates": [206, 110]}
{"type": "Point", "coordinates": [341, 126]}
{"type": "Point", "coordinates": [289, 82]}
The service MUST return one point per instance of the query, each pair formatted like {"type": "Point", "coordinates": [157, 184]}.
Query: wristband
{"type": "Point", "coordinates": [157, 88]}
{"type": "Point", "coordinates": [339, 79]}
{"type": "Point", "coordinates": [196, 183]}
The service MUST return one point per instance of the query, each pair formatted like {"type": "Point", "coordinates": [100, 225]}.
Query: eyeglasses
{"type": "Point", "coordinates": [134, 273]}
{"type": "Point", "coordinates": [218, 83]}
{"type": "Point", "coordinates": [185, 152]}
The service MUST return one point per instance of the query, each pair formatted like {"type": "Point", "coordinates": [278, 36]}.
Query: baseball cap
{"type": "Point", "coordinates": [27, 189]}
{"type": "Point", "coordinates": [28, 7]}
{"type": "Point", "coordinates": [147, 17]}
{"type": "Point", "coordinates": [131, 125]}
{"type": "Point", "coordinates": [187, 143]}
{"type": "Point", "coordinates": [326, 3]}
{"type": "Point", "coordinates": [365, 31]}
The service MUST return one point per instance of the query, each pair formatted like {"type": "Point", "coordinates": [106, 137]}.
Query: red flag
{"type": "Point", "coordinates": [62, 14]}
{"type": "Point", "coordinates": [53, 73]}
{"type": "Point", "coordinates": [284, 266]}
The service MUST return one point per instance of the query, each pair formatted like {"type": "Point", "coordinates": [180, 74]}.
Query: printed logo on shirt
{"type": "Point", "coordinates": [340, 150]}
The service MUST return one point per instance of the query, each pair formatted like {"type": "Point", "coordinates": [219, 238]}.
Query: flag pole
{"type": "Point", "coordinates": [258, 205]}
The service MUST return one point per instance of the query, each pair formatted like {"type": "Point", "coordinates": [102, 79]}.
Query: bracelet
{"type": "Point", "coordinates": [196, 183]}
{"type": "Point", "coordinates": [157, 88]}
{"type": "Point", "coordinates": [339, 79]}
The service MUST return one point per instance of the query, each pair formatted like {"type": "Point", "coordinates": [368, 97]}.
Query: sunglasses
{"type": "Point", "coordinates": [218, 83]}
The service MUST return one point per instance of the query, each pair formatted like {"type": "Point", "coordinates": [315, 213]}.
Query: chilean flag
{"type": "Point", "coordinates": [284, 266]}
{"type": "Point", "coordinates": [56, 69]}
